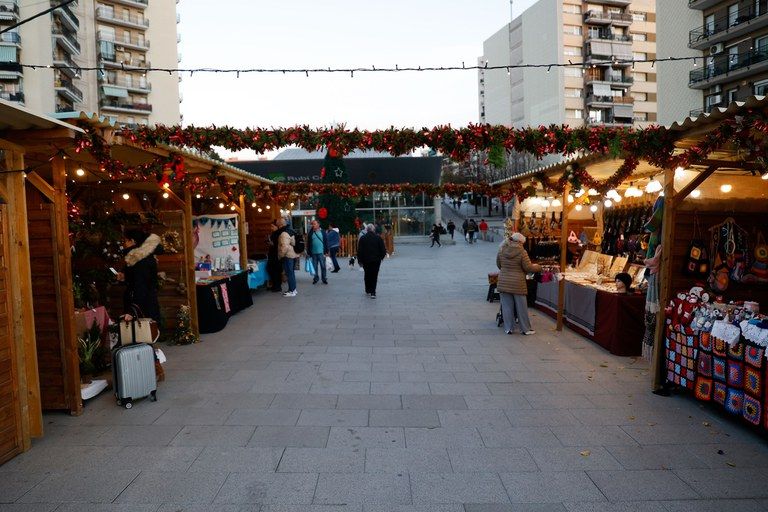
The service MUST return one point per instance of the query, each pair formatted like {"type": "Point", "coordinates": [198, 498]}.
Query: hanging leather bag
{"type": "Point", "coordinates": [696, 260]}
{"type": "Point", "coordinates": [138, 330]}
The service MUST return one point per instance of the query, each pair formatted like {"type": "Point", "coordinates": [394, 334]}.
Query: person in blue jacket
{"type": "Point", "coordinates": [334, 244]}
{"type": "Point", "coordinates": [317, 249]}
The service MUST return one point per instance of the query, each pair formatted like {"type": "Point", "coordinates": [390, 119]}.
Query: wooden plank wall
{"type": "Point", "coordinates": [258, 231]}
{"type": "Point", "coordinates": [11, 442]}
{"type": "Point", "coordinates": [684, 232]}
{"type": "Point", "coordinates": [47, 328]}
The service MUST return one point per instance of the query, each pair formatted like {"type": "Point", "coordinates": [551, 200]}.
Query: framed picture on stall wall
{"type": "Point", "coordinates": [638, 274]}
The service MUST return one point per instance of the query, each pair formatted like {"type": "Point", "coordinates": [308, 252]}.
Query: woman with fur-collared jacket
{"type": "Point", "coordinates": [140, 274]}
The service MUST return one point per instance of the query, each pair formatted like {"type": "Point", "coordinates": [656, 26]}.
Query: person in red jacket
{"type": "Point", "coordinates": [483, 229]}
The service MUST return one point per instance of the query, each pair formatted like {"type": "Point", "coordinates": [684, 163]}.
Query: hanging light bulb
{"type": "Point", "coordinates": [268, 207]}
{"type": "Point", "coordinates": [654, 186]}
{"type": "Point", "coordinates": [592, 192]}
{"type": "Point", "coordinates": [232, 207]}
{"type": "Point", "coordinates": [166, 195]}
{"type": "Point", "coordinates": [633, 191]}
{"type": "Point", "coordinates": [221, 205]}
{"type": "Point", "coordinates": [580, 193]}
{"type": "Point", "coordinates": [726, 188]}
{"type": "Point", "coordinates": [578, 207]}
{"type": "Point", "coordinates": [696, 194]}
{"type": "Point", "coordinates": [545, 203]}
{"type": "Point", "coordinates": [198, 196]}
{"type": "Point", "coordinates": [612, 194]}
{"type": "Point", "coordinates": [570, 198]}
{"type": "Point", "coordinates": [608, 203]}
{"type": "Point", "coordinates": [253, 205]}
{"type": "Point", "coordinates": [126, 196]}
{"type": "Point", "coordinates": [617, 199]}
{"type": "Point", "coordinates": [80, 172]}
{"type": "Point", "coordinates": [593, 208]}
{"type": "Point", "coordinates": [679, 173]}
{"type": "Point", "coordinates": [259, 210]}
{"type": "Point", "coordinates": [556, 203]}
{"type": "Point", "coordinates": [166, 185]}
{"type": "Point", "coordinates": [765, 176]}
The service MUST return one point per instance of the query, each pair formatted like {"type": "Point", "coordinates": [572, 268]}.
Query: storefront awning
{"type": "Point", "coordinates": [115, 92]}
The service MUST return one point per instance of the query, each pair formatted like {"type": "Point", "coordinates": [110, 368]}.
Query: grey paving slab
{"type": "Point", "coordinates": [513, 402]}
{"type": "Point", "coordinates": [369, 402]}
{"type": "Point", "coordinates": [194, 416]}
{"type": "Point", "coordinates": [407, 460]}
{"type": "Point", "coordinates": [322, 460]}
{"type": "Point", "coordinates": [514, 437]}
{"type": "Point", "coordinates": [458, 488]}
{"type": "Point", "coordinates": [31, 507]}
{"type": "Point", "coordinates": [443, 437]}
{"type": "Point", "coordinates": [459, 388]}
{"type": "Point", "coordinates": [266, 488]}
{"type": "Point", "coordinates": [334, 418]}
{"type": "Point", "coordinates": [569, 458]}
{"type": "Point", "coordinates": [240, 400]}
{"type": "Point", "coordinates": [176, 487]}
{"type": "Point", "coordinates": [727, 483]}
{"type": "Point", "coordinates": [302, 401]}
{"type": "Point", "coordinates": [151, 435]}
{"type": "Point", "coordinates": [296, 437]}
{"type": "Point", "coordinates": [474, 418]}
{"type": "Point", "coordinates": [427, 377]}
{"type": "Point", "coordinates": [153, 458]}
{"type": "Point", "coordinates": [399, 388]}
{"type": "Point", "coordinates": [743, 505]}
{"type": "Point", "coordinates": [517, 507]}
{"type": "Point", "coordinates": [366, 437]}
{"type": "Point", "coordinates": [560, 486]}
{"type": "Point", "coordinates": [237, 459]}
{"type": "Point", "coordinates": [641, 485]}
{"type": "Point", "coordinates": [366, 488]}
{"type": "Point", "coordinates": [13, 485]}
{"type": "Point", "coordinates": [594, 435]}
{"type": "Point", "coordinates": [657, 457]}
{"type": "Point", "coordinates": [619, 506]}
{"type": "Point", "coordinates": [86, 485]}
{"type": "Point", "coordinates": [60, 459]}
{"type": "Point", "coordinates": [404, 418]}
{"type": "Point", "coordinates": [432, 507]}
{"type": "Point", "coordinates": [213, 436]}
{"type": "Point", "coordinates": [491, 460]}
{"type": "Point", "coordinates": [434, 402]}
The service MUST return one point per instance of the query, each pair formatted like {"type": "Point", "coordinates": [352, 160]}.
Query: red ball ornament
{"type": "Point", "coordinates": [322, 172]}
{"type": "Point", "coordinates": [322, 212]}
{"type": "Point", "coordinates": [333, 153]}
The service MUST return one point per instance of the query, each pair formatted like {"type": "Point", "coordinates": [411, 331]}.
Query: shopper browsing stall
{"type": "Point", "coordinates": [513, 263]}
{"type": "Point", "coordinates": [140, 274]}
{"type": "Point", "coordinates": [287, 255]}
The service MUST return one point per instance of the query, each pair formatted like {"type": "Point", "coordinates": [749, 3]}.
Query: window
{"type": "Point", "coordinates": [761, 44]}
{"type": "Point", "coordinates": [575, 113]}
{"type": "Point", "coordinates": [640, 117]}
{"type": "Point", "coordinates": [573, 93]}
{"type": "Point", "coordinates": [126, 36]}
{"type": "Point", "coordinates": [126, 14]}
{"type": "Point", "coordinates": [733, 14]}
{"type": "Point", "coordinates": [639, 16]}
{"type": "Point", "coordinates": [709, 25]}
{"type": "Point", "coordinates": [761, 88]}
{"type": "Point", "coordinates": [640, 96]}
{"type": "Point", "coordinates": [572, 29]}
{"type": "Point", "coordinates": [572, 51]}
{"type": "Point", "coordinates": [572, 9]}
{"type": "Point", "coordinates": [639, 77]}
{"type": "Point", "coordinates": [573, 72]}
{"type": "Point", "coordinates": [733, 57]}
{"type": "Point", "coordinates": [731, 95]}
{"type": "Point", "coordinates": [639, 56]}
{"type": "Point", "coordinates": [639, 37]}
{"type": "Point", "coordinates": [758, 12]}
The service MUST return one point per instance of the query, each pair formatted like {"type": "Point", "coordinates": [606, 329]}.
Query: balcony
{"type": "Point", "coordinates": [67, 41]}
{"type": "Point", "coordinates": [137, 86]}
{"type": "Point", "coordinates": [609, 100]}
{"type": "Point", "coordinates": [124, 20]}
{"type": "Point", "coordinates": [68, 90]}
{"type": "Point", "coordinates": [65, 15]}
{"type": "Point", "coordinates": [617, 3]}
{"type": "Point", "coordinates": [10, 38]}
{"type": "Point", "coordinates": [65, 64]}
{"type": "Point", "coordinates": [610, 121]}
{"type": "Point", "coordinates": [109, 61]}
{"type": "Point", "coordinates": [135, 43]}
{"type": "Point", "coordinates": [12, 96]}
{"type": "Point", "coordinates": [139, 4]}
{"type": "Point", "coordinates": [607, 18]}
{"type": "Point", "coordinates": [65, 108]}
{"type": "Point", "coordinates": [603, 59]}
{"type": "Point", "coordinates": [726, 27]}
{"type": "Point", "coordinates": [9, 10]}
{"type": "Point", "coordinates": [729, 68]}
{"type": "Point", "coordinates": [624, 81]}
{"type": "Point", "coordinates": [616, 38]}
{"type": "Point", "coordinates": [126, 107]}
{"type": "Point", "coordinates": [702, 4]}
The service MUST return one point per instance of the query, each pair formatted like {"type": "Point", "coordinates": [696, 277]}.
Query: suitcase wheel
{"type": "Point", "coordinates": [153, 396]}
{"type": "Point", "coordinates": [128, 405]}
{"type": "Point", "coordinates": [119, 402]}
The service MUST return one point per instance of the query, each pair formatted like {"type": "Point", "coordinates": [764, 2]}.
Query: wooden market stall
{"type": "Point", "coordinates": [38, 351]}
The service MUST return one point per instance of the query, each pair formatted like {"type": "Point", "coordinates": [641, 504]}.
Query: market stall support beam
{"type": "Point", "coordinates": [189, 262]}
{"type": "Point", "coordinates": [24, 342]}
{"type": "Point", "coordinates": [693, 185]}
{"type": "Point", "coordinates": [40, 184]}
{"type": "Point", "coordinates": [563, 256]}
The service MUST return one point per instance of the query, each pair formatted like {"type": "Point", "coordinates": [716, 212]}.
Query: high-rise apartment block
{"type": "Point", "coordinates": [113, 36]}
{"type": "Point", "coordinates": [600, 37]}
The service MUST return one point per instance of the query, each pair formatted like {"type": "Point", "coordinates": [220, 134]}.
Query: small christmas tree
{"type": "Point", "coordinates": [339, 211]}
{"type": "Point", "coordinates": [183, 334]}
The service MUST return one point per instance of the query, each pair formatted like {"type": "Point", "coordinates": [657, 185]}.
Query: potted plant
{"type": "Point", "coordinates": [91, 353]}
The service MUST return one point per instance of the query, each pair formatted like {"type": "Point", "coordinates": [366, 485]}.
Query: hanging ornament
{"type": "Point", "coordinates": [322, 212]}
{"type": "Point", "coordinates": [322, 172]}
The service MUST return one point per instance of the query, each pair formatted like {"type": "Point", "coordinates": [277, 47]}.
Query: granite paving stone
{"type": "Point", "coordinates": [239, 459]}
{"type": "Point", "coordinates": [322, 460]}
{"type": "Point", "coordinates": [369, 402]}
{"type": "Point", "coordinates": [85, 485]}
{"type": "Point", "coordinates": [404, 418]}
{"type": "Point", "coordinates": [641, 485]}
{"type": "Point", "coordinates": [366, 437]}
{"type": "Point", "coordinates": [297, 437]}
{"type": "Point", "coordinates": [407, 460]}
{"type": "Point", "coordinates": [267, 488]}
{"type": "Point", "coordinates": [366, 488]}
{"type": "Point", "coordinates": [458, 488]}
{"type": "Point", "coordinates": [334, 417]}
{"type": "Point", "coordinates": [560, 486]}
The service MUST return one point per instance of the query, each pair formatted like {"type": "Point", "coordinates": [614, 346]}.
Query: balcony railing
{"type": "Point", "coordinates": [129, 84]}
{"type": "Point", "coordinates": [110, 15]}
{"type": "Point", "coordinates": [10, 37]}
{"type": "Point", "coordinates": [141, 4]}
{"type": "Point", "coordinates": [69, 86]}
{"type": "Point", "coordinates": [12, 96]}
{"type": "Point", "coordinates": [130, 41]}
{"type": "Point", "coordinates": [71, 38]}
{"type": "Point", "coordinates": [64, 108]}
{"type": "Point", "coordinates": [608, 17]}
{"type": "Point", "coordinates": [628, 80]}
{"type": "Point", "coordinates": [617, 100]}
{"type": "Point", "coordinates": [65, 64]}
{"type": "Point", "coordinates": [610, 37]}
{"type": "Point", "coordinates": [611, 120]}
{"type": "Point", "coordinates": [725, 23]}
{"type": "Point", "coordinates": [728, 64]}
{"type": "Point", "coordinates": [143, 107]}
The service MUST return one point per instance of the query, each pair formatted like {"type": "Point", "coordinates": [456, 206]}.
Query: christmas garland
{"type": "Point", "coordinates": [654, 144]}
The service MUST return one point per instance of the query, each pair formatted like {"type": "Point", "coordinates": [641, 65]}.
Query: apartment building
{"type": "Point", "coordinates": [599, 36]}
{"type": "Point", "coordinates": [111, 35]}
{"type": "Point", "coordinates": [733, 38]}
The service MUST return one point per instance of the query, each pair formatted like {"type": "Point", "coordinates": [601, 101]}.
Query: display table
{"type": "Point", "coordinates": [613, 321]}
{"type": "Point", "coordinates": [259, 276]}
{"type": "Point", "coordinates": [84, 320]}
{"type": "Point", "coordinates": [220, 297]}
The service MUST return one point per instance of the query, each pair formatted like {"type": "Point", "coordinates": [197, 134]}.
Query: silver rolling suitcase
{"type": "Point", "coordinates": [133, 373]}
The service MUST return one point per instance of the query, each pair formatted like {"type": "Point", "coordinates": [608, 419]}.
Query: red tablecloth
{"type": "Point", "coordinates": [619, 323]}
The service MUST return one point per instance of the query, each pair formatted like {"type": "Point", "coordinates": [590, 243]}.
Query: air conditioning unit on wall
{"type": "Point", "coordinates": [716, 48]}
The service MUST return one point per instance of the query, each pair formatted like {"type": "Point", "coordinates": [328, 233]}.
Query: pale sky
{"type": "Point", "coordinates": [335, 33]}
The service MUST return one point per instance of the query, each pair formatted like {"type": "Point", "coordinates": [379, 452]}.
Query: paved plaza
{"type": "Point", "coordinates": [414, 402]}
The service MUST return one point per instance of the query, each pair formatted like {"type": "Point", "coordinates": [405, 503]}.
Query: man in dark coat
{"type": "Point", "coordinates": [274, 267]}
{"type": "Point", "coordinates": [370, 252]}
